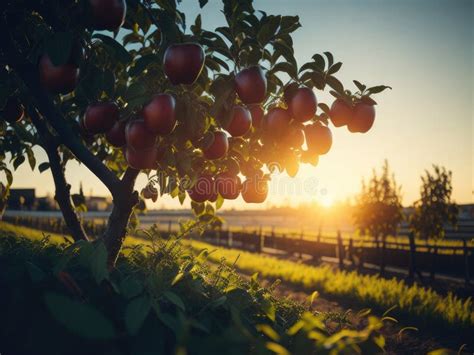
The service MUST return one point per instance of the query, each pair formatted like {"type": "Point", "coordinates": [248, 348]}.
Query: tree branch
{"type": "Point", "coordinates": [29, 74]}
{"type": "Point", "coordinates": [63, 189]}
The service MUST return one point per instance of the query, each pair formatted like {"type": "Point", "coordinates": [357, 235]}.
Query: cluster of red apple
{"type": "Point", "coordinates": [358, 117]}
{"type": "Point", "coordinates": [182, 65]}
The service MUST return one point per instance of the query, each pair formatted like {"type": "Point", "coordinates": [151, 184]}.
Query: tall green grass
{"type": "Point", "coordinates": [410, 300]}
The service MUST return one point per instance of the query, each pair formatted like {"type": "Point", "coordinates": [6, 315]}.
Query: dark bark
{"type": "Point", "coordinates": [118, 219]}
{"type": "Point", "coordinates": [63, 189]}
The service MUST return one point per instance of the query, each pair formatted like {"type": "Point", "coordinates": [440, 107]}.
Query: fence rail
{"type": "Point", "coordinates": [412, 256]}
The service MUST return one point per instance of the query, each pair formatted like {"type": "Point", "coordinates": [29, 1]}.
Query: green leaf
{"type": "Point", "coordinates": [285, 67]}
{"type": "Point", "coordinates": [319, 61]}
{"type": "Point", "coordinates": [59, 47]}
{"type": "Point", "coordinates": [31, 158]}
{"type": "Point", "coordinates": [20, 159]}
{"type": "Point", "coordinates": [131, 287]}
{"type": "Point", "coordinates": [136, 312]}
{"type": "Point", "coordinates": [360, 86]}
{"type": "Point", "coordinates": [276, 348]}
{"type": "Point", "coordinates": [181, 197]}
{"type": "Point", "coordinates": [175, 299]}
{"type": "Point", "coordinates": [219, 201]}
{"type": "Point", "coordinates": [79, 318]}
{"type": "Point", "coordinates": [197, 207]}
{"type": "Point", "coordinates": [378, 89]}
{"type": "Point", "coordinates": [142, 64]}
{"type": "Point", "coordinates": [335, 68]}
{"type": "Point", "coordinates": [98, 262]}
{"type": "Point", "coordinates": [335, 84]}
{"type": "Point", "coordinates": [43, 166]}
{"type": "Point", "coordinates": [268, 331]}
{"type": "Point", "coordinates": [269, 308]}
{"type": "Point", "coordinates": [115, 49]}
{"type": "Point", "coordinates": [309, 66]}
{"type": "Point", "coordinates": [330, 58]}
{"type": "Point", "coordinates": [289, 24]}
{"type": "Point", "coordinates": [177, 278]}
{"type": "Point", "coordinates": [268, 29]}
{"type": "Point", "coordinates": [324, 107]}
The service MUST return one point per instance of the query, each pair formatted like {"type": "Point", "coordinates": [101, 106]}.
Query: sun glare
{"type": "Point", "coordinates": [326, 201]}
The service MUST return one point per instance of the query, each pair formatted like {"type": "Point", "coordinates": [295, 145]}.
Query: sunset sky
{"type": "Point", "coordinates": [423, 49]}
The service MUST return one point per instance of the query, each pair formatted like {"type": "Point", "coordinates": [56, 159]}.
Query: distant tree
{"type": "Point", "coordinates": [434, 209]}
{"type": "Point", "coordinates": [378, 209]}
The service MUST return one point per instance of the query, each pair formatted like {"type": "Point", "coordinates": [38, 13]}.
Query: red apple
{"type": "Point", "coordinates": [294, 138]}
{"type": "Point", "coordinates": [341, 113]}
{"type": "Point", "coordinates": [276, 122]}
{"type": "Point", "coordinates": [142, 159]}
{"type": "Point", "coordinates": [100, 117]}
{"type": "Point", "coordinates": [255, 190]}
{"type": "Point", "coordinates": [203, 190]}
{"type": "Point", "coordinates": [257, 113]}
{"type": "Point", "coordinates": [60, 79]}
{"type": "Point", "coordinates": [218, 148]}
{"type": "Point", "coordinates": [240, 123]}
{"type": "Point", "coordinates": [13, 110]}
{"type": "Point", "coordinates": [108, 14]}
{"type": "Point", "coordinates": [303, 104]}
{"type": "Point", "coordinates": [159, 114]}
{"type": "Point", "coordinates": [318, 138]}
{"type": "Point", "coordinates": [362, 119]}
{"type": "Point", "coordinates": [183, 63]}
{"type": "Point", "coordinates": [138, 136]}
{"type": "Point", "coordinates": [228, 185]}
{"type": "Point", "coordinates": [289, 91]}
{"type": "Point", "coordinates": [251, 85]}
{"type": "Point", "coordinates": [116, 135]}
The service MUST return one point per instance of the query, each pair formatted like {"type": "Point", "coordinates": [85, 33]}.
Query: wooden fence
{"type": "Point", "coordinates": [411, 255]}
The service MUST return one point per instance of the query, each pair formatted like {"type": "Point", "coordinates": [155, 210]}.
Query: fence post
{"type": "Point", "coordinates": [412, 266]}
{"type": "Point", "coordinates": [300, 247]}
{"type": "Point", "coordinates": [169, 227]}
{"type": "Point", "coordinates": [340, 249]}
{"type": "Point", "coordinates": [351, 251]}
{"type": "Point", "coordinates": [382, 255]}
{"type": "Point", "coordinates": [433, 262]}
{"type": "Point", "coordinates": [467, 277]}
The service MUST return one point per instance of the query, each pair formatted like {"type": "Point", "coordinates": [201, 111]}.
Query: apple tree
{"type": "Point", "coordinates": [379, 211]}
{"type": "Point", "coordinates": [130, 87]}
{"type": "Point", "coordinates": [435, 208]}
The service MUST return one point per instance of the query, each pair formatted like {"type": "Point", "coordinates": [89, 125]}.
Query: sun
{"type": "Point", "coordinates": [326, 201]}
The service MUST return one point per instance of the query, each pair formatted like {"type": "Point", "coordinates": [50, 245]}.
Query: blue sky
{"type": "Point", "coordinates": [422, 48]}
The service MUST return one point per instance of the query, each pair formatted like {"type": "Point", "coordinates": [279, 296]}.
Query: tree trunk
{"type": "Point", "coordinates": [118, 220]}
{"type": "Point", "coordinates": [63, 198]}
{"type": "Point", "coordinates": [63, 189]}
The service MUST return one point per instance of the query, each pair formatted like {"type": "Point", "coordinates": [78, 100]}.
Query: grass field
{"type": "Point", "coordinates": [368, 290]}
{"type": "Point", "coordinates": [166, 301]}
